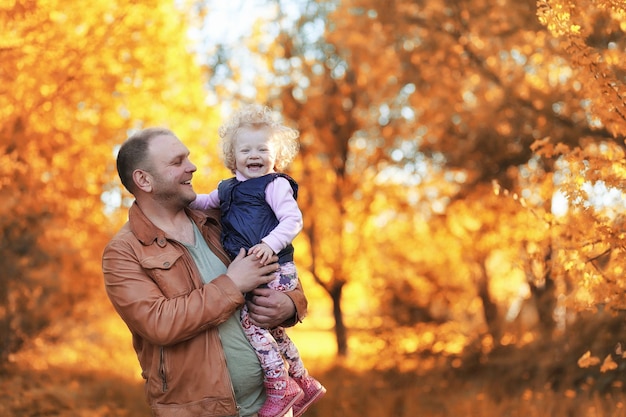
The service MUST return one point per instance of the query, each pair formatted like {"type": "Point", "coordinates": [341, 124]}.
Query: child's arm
{"type": "Point", "coordinates": [206, 201]}
{"type": "Point", "coordinates": [279, 196]}
{"type": "Point", "coordinates": [262, 251]}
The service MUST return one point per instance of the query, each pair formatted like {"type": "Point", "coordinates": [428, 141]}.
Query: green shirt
{"type": "Point", "coordinates": [243, 365]}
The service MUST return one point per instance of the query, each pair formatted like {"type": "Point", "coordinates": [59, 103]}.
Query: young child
{"type": "Point", "coordinates": [260, 214]}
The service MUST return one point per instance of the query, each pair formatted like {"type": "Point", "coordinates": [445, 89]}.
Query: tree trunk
{"type": "Point", "coordinates": [543, 295]}
{"type": "Point", "coordinates": [490, 308]}
{"type": "Point", "coordinates": [340, 328]}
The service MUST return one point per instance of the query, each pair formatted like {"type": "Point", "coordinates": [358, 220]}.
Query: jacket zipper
{"type": "Point", "coordinates": [162, 370]}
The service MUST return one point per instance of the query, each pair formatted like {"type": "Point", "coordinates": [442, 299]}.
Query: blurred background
{"type": "Point", "coordinates": [461, 178]}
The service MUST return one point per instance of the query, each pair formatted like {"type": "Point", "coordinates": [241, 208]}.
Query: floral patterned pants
{"type": "Point", "coordinates": [272, 346]}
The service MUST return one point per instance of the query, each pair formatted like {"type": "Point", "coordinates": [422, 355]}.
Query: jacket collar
{"type": "Point", "coordinates": [146, 232]}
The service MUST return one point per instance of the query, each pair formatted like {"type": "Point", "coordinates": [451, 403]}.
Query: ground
{"type": "Point", "coordinates": [87, 368]}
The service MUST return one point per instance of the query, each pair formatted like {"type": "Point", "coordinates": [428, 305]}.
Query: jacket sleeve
{"type": "Point", "coordinates": [301, 303]}
{"type": "Point", "coordinates": [163, 310]}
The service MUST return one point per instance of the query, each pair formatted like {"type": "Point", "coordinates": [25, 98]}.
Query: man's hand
{"type": "Point", "coordinates": [270, 308]}
{"type": "Point", "coordinates": [262, 251]}
{"type": "Point", "coordinates": [247, 272]}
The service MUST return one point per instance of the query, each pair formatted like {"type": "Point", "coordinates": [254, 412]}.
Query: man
{"type": "Point", "coordinates": [171, 282]}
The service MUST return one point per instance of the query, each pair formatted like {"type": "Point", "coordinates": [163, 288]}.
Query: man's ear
{"type": "Point", "coordinates": [143, 180]}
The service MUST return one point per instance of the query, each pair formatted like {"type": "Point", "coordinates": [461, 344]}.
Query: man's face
{"type": "Point", "coordinates": [171, 171]}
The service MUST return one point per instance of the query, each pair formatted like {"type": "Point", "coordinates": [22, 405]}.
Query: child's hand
{"type": "Point", "coordinates": [262, 252]}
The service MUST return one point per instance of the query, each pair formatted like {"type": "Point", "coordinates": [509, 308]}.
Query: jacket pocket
{"type": "Point", "coordinates": [167, 270]}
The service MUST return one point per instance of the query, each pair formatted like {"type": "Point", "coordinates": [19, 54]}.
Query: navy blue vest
{"type": "Point", "coordinates": [246, 216]}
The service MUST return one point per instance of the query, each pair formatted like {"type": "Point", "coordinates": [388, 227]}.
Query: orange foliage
{"type": "Point", "coordinates": [434, 138]}
{"type": "Point", "coordinates": [75, 80]}
{"type": "Point", "coordinates": [413, 114]}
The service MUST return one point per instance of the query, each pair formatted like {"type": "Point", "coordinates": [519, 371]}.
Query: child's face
{"type": "Point", "coordinates": [255, 154]}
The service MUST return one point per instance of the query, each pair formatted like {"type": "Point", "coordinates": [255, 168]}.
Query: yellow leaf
{"type": "Point", "coordinates": [587, 360]}
{"type": "Point", "coordinates": [608, 365]}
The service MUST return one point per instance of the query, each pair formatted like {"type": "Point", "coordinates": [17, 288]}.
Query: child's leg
{"type": "Point", "coordinates": [312, 389]}
{"type": "Point", "coordinates": [287, 280]}
{"type": "Point", "coordinates": [264, 345]}
{"type": "Point", "coordinates": [289, 351]}
{"type": "Point", "coordinates": [282, 392]}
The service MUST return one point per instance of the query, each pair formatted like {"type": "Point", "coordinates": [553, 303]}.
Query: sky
{"type": "Point", "coordinates": [230, 23]}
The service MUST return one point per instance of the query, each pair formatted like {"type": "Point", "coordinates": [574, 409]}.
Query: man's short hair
{"type": "Point", "coordinates": [133, 154]}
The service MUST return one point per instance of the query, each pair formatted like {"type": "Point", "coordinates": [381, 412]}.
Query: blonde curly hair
{"type": "Point", "coordinates": [256, 116]}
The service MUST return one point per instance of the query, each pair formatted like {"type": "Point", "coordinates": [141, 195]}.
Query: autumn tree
{"type": "Point", "coordinates": [495, 82]}
{"type": "Point", "coordinates": [591, 35]}
{"type": "Point", "coordinates": [462, 115]}
{"type": "Point", "coordinates": [75, 80]}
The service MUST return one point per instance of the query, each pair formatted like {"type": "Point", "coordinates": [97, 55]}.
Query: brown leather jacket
{"type": "Point", "coordinates": [156, 288]}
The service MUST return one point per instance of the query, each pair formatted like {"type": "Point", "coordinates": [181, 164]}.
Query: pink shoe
{"type": "Point", "coordinates": [313, 391]}
{"type": "Point", "coordinates": [282, 394]}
